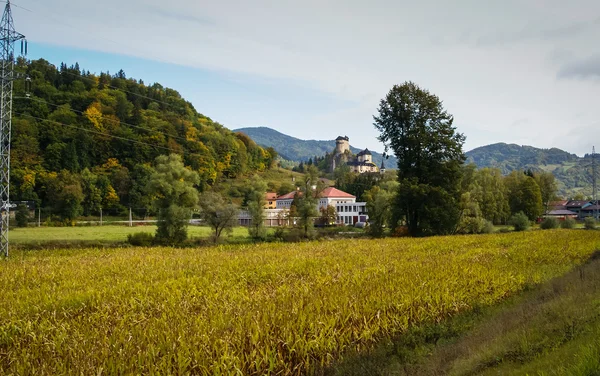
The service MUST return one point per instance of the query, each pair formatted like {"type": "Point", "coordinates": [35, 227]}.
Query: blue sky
{"type": "Point", "coordinates": [517, 71]}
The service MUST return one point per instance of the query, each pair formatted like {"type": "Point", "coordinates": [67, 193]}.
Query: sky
{"type": "Point", "coordinates": [514, 71]}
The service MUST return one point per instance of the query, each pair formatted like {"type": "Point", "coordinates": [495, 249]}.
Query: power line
{"type": "Point", "coordinates": [108, 119]}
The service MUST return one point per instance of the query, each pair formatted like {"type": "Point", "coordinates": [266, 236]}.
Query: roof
{"type": "Point", "coordinates": [270, 195]}
{"type": "Point", "coordinates": [334, 192]}
{"type": "Point", "coordinates": [561, 212]}
{"type": "Point", "coordinates": [356, 163]}
{"type": "Point", "coordinates": [558, 203]}
{"type": "Point", "coordinates": [364, 152]}
{"type": "Point", "coordinates": [577, 203]}
{"type": "Point", "coordinates": [329, 192]}
{"type": "Point", "coordinates": [592, 208]}
{"type": "Point", "coordinates": [288, 196]}
{"type": "Point", "coordinates": [340, 138]}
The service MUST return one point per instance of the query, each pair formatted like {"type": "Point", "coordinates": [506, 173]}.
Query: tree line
{"type": "Point", "coordinates": [83, 141]}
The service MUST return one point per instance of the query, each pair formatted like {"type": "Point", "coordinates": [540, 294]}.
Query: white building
{"type": "Point", "coordinates": [348, 210]}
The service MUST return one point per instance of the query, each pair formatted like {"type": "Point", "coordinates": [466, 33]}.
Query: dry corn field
{"type": "Point", "coordinates": [260, 309]}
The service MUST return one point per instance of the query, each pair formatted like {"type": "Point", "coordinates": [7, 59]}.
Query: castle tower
{"type": "Point", "coordinates": [341, 145]}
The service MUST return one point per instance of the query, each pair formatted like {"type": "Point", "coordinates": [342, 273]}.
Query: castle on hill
{"type": "Point", "coordinates": [361, 163]}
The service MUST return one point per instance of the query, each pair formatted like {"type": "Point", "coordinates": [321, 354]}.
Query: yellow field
{"type": "Point", "coordinates": [269, 308]}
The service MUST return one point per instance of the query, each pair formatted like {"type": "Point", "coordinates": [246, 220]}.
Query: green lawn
{"type": "Point", "coordinates": [40, 235]}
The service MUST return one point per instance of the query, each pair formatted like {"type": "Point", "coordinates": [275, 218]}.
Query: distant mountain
{"type": "Point", "coordinates": [295, 149]}
{"type": "Point", "coordinates": [573, 173]}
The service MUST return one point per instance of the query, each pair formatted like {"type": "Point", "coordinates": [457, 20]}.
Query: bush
{"type": "Point", "coordinates": [519, 221]}
{"type": "Point", "coordinates": [549, 223]}
{"type": "Point", "coordinates": [488, 228]}
{"type": "Point", "coordinates": [568, 223]}
{"type": "Point", "coordinates": [140, 239]}
{"type": "Point", "coordinates": [22, 216]}
{"type": "Point", "coordinates": [504, 230]}
{"type": "Point", "coordinates": [589, 223]}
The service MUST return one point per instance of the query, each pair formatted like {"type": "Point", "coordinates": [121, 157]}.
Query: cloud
{"type": "Point", "coordinates": [583, 68]}
{"type": "Point", "coordinates": [177, 16]}
{"type": "Point", "coordinates": [533, 33]}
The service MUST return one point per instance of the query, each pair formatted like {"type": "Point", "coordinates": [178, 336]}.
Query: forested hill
{"type": "Point", "coordinates": [99, 135]}
{"type": "Point", "coordinates": [573, 173]}
{"type": "Point", "coordinates": [295, 149]}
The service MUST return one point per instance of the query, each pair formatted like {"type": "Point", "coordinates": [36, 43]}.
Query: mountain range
{"type": "Point", "coordinates": [573, 173]}
{"type": "Point", "coordinates": [297, 150]}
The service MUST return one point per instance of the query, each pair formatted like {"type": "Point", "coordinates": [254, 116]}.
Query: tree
{"type": "Point", "coordinates": [328, 215]}
{"type": "Point", "coordinates": [378, 206]}
{"type": "Point", "coordinates": [256, 204]}
{"type": "Point", "coordinates": [219, 214]}
{"type": "Point", "coordinates": [548, 188]}
{"type": "Point", "coordinates": [413, 123]}
{"type": "Point", "coordinates": [307, 201]}
{"type": "Point", "coordinates": [172, 187]}
{"type": "Point", "coordinates": [22, 215]}
{"type": "Point", "coordinates": [531, 198]}
{"type": "Point", "coordinates": [524, 195]}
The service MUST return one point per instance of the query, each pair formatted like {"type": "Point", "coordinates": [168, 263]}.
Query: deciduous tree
{"type": "Point", "coordinates": [413, 123]}
{"type": "Point", "coordinates": [174, 197]}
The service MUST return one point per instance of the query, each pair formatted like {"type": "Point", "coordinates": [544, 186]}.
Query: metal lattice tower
{"type": "Point", "coordinates": [8, 37]}
{"type": "Point", "coordinates": [594, 187]}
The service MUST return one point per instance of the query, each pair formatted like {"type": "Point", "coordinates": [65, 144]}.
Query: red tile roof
{"type": "Point", "coordinates": [270, 196]}
{"type": "Point", "coordinates": [329, 192]}
{"type": "Point", "coordinates": [335, 193]}
{"type": "Point", "coordinates": [288, 196]}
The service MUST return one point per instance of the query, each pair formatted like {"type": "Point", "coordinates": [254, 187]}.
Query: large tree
{"type": "Point", "coordinates": [218, 213]}
{"type": "Point", "coordinates": [255, 203]}
{"type": "Point", "coordinates": [413, 123]}
{"type": "Point", "coordinates": [172, 187]}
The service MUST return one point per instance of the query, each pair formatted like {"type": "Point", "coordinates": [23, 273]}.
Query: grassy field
{"type": "Point", "coordinates": [100, 234]}
{"type": "Point", "coordinates": [255, 309]}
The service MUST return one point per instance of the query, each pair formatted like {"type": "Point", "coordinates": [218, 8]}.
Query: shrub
{"type": "Point", "coordinates": [519, 221]}
{"type": "Point", "coordinates": [487, 228]}
{"type": "Point", "coordinates": [141, 239]}
{"type": "Point", "coordinates": [549, 223]}
{"type": "Point", "coordinates": [568, 223]}
{"type": "Point", "coordinates": [22, 216]}
{"type": "Point", "coordinates": [504, 230]}
{"type": "Point", "coordinates": [589, 223]}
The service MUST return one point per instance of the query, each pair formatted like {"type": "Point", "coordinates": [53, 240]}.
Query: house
{"type": "Point", "coordinates": [558, 205]}
{"type": "Point", "coordinates": [270, 198]}
{"type": "Point", "coordinates": [590, 211]}
{"type": "Point", "coordinates": [577, 206]}
{"type": "Point", "coordinates": [561, 214]}
{"type": "Point", "coordinates": [349, 212]}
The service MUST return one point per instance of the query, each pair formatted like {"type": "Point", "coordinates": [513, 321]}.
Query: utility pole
{"type": "Point", "coordinates": [8, 37]}
{"type": "Point", "coordinates": [595, 211]}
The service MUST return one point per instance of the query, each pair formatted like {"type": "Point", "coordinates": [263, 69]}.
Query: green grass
{"type": "Point", "coordinates": [256, 309]}
{"type": "Point", "coordinates": [100, 234]}
{"type": "Point", "coordinates": [551, 329]}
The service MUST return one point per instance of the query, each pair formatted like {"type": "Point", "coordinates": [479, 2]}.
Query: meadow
{"type": "Point", "coordinates": [255, 309]}
{"type": "Point", "coordinates": [44, 236]}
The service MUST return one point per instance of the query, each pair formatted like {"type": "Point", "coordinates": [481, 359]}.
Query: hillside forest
{"type": "Point", "coordinates": [82, 137]}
